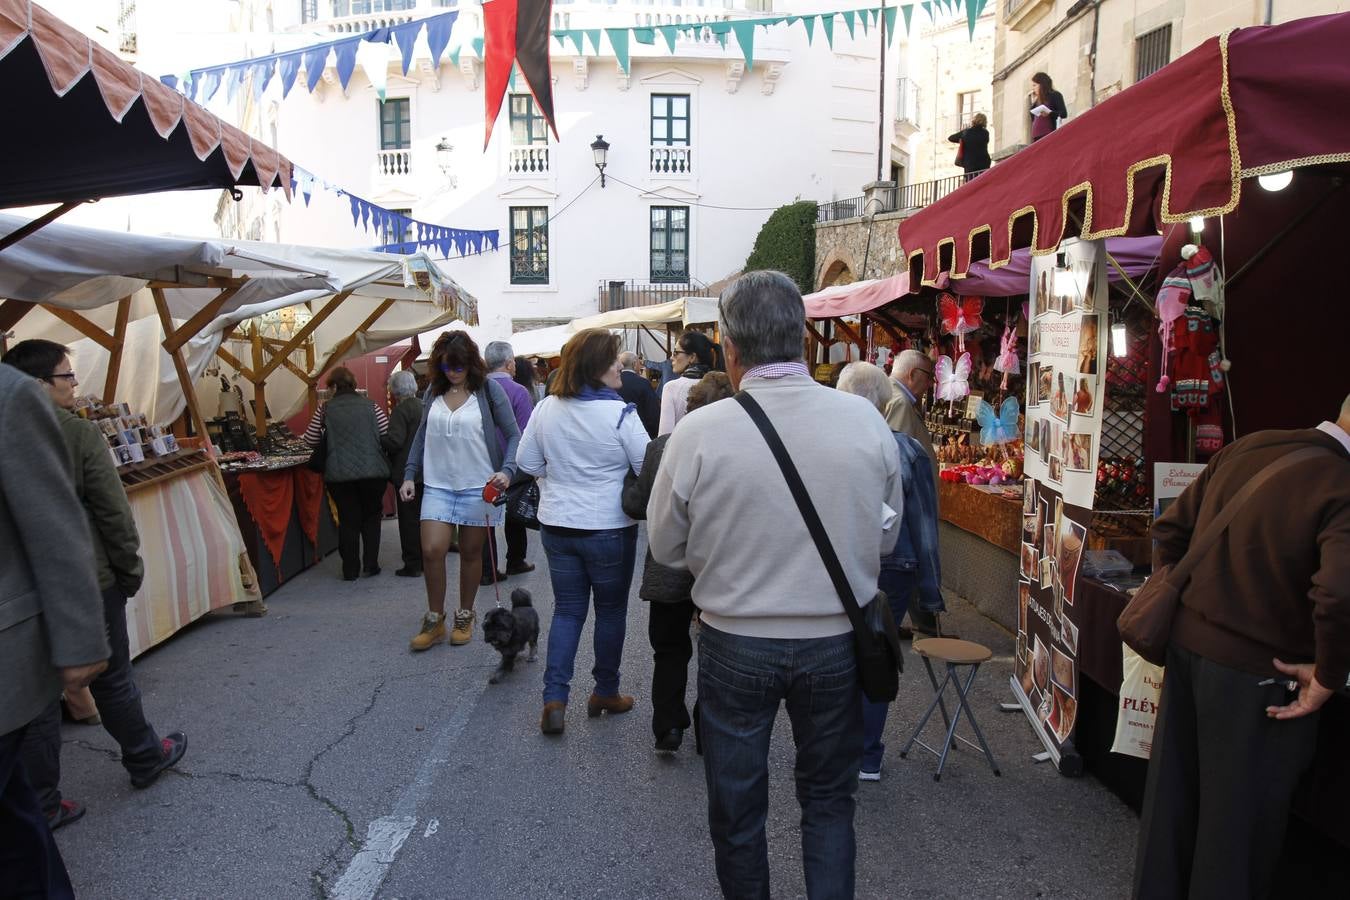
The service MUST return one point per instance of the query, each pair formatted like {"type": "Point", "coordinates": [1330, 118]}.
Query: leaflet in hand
{"type": "Point", "coordinates": [1040, 109]}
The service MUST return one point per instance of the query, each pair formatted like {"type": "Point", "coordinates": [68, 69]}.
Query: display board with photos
{"type": "Point", "coordinates": [1065, 384]}
{"type": "Point", "coordinates": [131, 438]}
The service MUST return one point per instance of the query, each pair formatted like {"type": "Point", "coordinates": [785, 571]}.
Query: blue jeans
{"type": "Point", "coordinates": [741, 681]}
{"type": "Point", "coordinates": [29, 859]}
{"type": "Point", "coordinates": [898, 587]}
{"type": "Point", "coordinates": [582, 564]}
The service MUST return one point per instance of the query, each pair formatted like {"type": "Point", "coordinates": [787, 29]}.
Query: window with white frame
{"type": "Point", "coordinates": [528, 126]}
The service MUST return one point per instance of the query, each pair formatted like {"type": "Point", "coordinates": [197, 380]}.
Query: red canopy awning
{"type": "Point", "coordinates": [1175, 145]}
{"type": "Point", "coordinates": [858, 297]}
{"type": "Point", "coordinates": [84, 124]}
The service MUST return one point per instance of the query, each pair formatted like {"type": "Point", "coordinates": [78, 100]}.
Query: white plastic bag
{"type": "Point", "coordinates": [1137, 709]}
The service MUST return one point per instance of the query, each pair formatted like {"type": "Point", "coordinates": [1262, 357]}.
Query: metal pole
{"type": "Point", "coordinates": [881, 101]}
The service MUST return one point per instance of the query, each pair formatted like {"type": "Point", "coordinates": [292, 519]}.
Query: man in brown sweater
{"type": "Point", "coordinates": [1260, 643]}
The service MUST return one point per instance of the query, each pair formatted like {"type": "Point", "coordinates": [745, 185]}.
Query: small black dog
{"type": "Point", "coordinates": [509, 630]}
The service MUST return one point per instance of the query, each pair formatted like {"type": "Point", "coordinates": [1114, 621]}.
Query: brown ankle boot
{"type": "Point", "coordinates": [552, 721]}
{"type": "Point", "coordinates": [612, 705]}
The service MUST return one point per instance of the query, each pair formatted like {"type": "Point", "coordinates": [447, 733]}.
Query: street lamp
{"type": "Point", "coordinates": [445, 159]}
{"type": "Point", "coordinates": [600, 147]}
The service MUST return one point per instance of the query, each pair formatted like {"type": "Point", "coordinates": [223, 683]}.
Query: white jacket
{"type": "Point", "coordinates": [580, 451]}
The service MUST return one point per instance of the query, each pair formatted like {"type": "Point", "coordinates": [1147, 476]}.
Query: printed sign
{"type": "Point", "coordinates": [1169, 480]}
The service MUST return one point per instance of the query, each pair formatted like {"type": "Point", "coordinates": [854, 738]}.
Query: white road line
{"type": "Point", "coordinates": [386, 835]}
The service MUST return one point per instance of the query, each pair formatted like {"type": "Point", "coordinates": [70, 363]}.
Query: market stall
{"type": "Point", "coordinates": [1228, 155]}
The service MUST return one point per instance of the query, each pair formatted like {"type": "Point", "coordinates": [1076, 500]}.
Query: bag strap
{"type": "Point", "coordinates": [808, 511]}
{"type": "Point", "coordinates": [1182, 570]}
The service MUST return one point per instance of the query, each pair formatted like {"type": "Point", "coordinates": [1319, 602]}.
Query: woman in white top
{"type": "Point", "coordinates": [694, 357]}
{"type": "Point", "coordinates": [456, 452]}
{"type": "Point", "coordinates": [580, 442]}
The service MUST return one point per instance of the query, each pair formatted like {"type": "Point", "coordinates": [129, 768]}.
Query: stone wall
{"type": "Point", "coordinates": [842, 247]}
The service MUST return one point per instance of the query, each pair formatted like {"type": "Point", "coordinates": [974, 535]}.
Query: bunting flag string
{"type": "Point", "coordinates": [417, 235]}
{"type": "Point", "coordinates": [202, 84]}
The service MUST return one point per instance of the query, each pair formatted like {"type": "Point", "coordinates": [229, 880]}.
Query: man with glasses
{"type": "Point", "coordinates": [912, 378]}
{"type": "Point", "coordinates": [117, 557]}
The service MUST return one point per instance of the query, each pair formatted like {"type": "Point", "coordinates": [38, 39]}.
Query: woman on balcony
{"type": "Point", "coordinates": [694, 357]}
{"type": "Point", "coordinates": [1047, 106]}
{"type": "Point", "coordinates": [972, 151]}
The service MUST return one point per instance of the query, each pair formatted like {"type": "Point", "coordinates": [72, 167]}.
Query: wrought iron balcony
{"type": "Point", "coordinates": [629, 294]}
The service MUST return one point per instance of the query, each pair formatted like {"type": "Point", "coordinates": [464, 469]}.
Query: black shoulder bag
{"type": "Point", "coordinates": [875, 637]}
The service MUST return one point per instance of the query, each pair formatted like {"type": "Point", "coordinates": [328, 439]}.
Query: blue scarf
{"type": "Point", "coordinates": [606, 393]}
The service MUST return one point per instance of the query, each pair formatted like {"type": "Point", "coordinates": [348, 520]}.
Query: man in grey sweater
{"type": "Point", "coordinates": [774, 629]}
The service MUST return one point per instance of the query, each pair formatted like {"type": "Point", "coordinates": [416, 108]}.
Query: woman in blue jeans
{"type": "Point", "coordinates": [580, 443]}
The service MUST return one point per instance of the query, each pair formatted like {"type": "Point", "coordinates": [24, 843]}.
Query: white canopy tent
{"type": "Point", "coordinates": [278, 315]}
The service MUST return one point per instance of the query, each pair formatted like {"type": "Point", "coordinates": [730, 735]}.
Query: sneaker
{"type": "Point", "coordinates": [864, 775]}
{"type": "Point", "coordinates": [462, 633]}
{"type": "Point", "coordinates": [172, 749]}
{"type": "Point", "coordinates": [433, 630]}
{"type": "Point", "coordinates": [66, 813]}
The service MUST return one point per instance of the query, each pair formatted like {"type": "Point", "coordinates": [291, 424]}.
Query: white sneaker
{"type": "Point", "coordinates": [864, 775]}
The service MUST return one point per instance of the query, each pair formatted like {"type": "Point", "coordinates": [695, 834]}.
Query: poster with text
{"type": "Point", "coordinates": [1066, 368]}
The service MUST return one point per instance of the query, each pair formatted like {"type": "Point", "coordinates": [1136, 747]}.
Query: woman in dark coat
{"type": "Point", "coordinates": [404, 420]}
{"type": "Point", "coordinates": [1045, 95]}
{"type": "Point", "coordinates": [974, 141]}
{"type": "Point", "coordinates": [669, 591]}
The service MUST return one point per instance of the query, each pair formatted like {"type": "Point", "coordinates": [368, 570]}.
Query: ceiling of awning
{"type": "Point", "coordinates": [1175, 145]}
{"type": "Point", "coordinates": [84, 124]}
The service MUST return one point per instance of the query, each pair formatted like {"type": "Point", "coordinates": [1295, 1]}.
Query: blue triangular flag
{"type": "Point", "coordinates": [315, 60]}
{"type": "Point", "coordinates": [405, 36]}
{"type": "Point", "coordinates": [438, 35]}
{"type": "Point", "coordinates": [210, 84]}
{"type": "Point", "coordinates": [356, 209]}
{"type": "Point", "coordinates": [346, 60]}
{"type": "Point", "coordinates": [290, 68]}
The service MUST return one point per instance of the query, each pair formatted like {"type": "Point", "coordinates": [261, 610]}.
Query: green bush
{"type": "Point", "coordinates": [787, 242]}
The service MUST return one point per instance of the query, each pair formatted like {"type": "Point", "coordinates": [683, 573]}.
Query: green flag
{"type": "Point", "coordinates": [454, 55]}
{"type": "Point", "coordinates": [478, 47]}
{"type": "Point", "coordinates": [594, 35]}
{"type": "Point", "coordinates": [669, 32]}
{"type": "Point", "coordinates": [862, 20]}
{"type": "Point", "coordinates": [973, 10]}
{"type": "Point", "coordinates": [890, 23]}
{"type": "Point", "coordinates": [827, 24]}
{"type": "Point", "coordinates": [745, 36]}
{"type": "Point", "coordinates": [577, 39]}
{"type": "Point", "coordinates": [618, 39]}
{"type": "Point", "coordinates": [848, 20]}
{"type": "Point", "coordinates": [908, 10]}
{"type": "Point", "coordinates": [644, 35]}
{"type": "Point", "coordinates": [810, 23]}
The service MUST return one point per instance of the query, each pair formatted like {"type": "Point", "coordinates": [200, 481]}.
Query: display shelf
{"type": "Point", "coordinates": [139, 476]}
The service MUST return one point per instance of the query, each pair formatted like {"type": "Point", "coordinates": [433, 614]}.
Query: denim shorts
{"type": "Point", "coordinates": [464, 507]}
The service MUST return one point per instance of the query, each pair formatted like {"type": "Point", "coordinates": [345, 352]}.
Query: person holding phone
{"type": "Point", "coordinates": [456, 453]}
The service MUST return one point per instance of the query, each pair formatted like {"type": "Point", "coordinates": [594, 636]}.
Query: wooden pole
{"type": "Point", "coordinates": [259, 384]}
{"type": "Point", "coordinates": [47, 218]}
{"type": "Point", "coordinates": [202, 317]}
{"type": "Point", "coordinates": [347, 342]}
{"type": "Point", "coordinates": [12, 311]}
{"type": "Point", "coordinates": [303, 334]}
{"type": "Point", "coordinates": [184, 379]}
{"type": "Point", "coordinates": [83, 326]}
{"type": "Point", "coordinates": [119, 340]}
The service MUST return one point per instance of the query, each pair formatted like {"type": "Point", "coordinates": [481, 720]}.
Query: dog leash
{"type": "Point", "coordinates": [492, 557]}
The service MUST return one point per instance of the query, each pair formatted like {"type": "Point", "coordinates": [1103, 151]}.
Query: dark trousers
{"type": "Point", "coordinates": [741, 682]}
{"type": "Point", "coordinates": [119, 706]}
{"type": "Point", "coordinates": [360, 504]}
{"type": "Point", "coordinates": [1220, 781]}
{"type": "Point", "coordinates": [410, 528]}
{"type": "Point", "coordinates": [668, 630]}
{"type": "Point", "coordinates": [30, 863]}
{"type": "Point", "coordinates": [517, 544]}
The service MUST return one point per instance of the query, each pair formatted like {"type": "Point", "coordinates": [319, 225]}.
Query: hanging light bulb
{"type": "Point", "coordinates": [1277, 181]}
{"type": "Point", "coordinates": [1118, 340]}
{"type": "Point", "coordinates": [1197, 224]}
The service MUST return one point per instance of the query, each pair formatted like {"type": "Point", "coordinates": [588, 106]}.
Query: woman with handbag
{"type": "Point", "coordinates": [355, 470]}
{"type": "Point", "coordinates": [668, 591]}
{"type": "Point", "coordinates": [456, 453]}
{"type": "Point", "coordinates": [580, 443]}
{"type": "Point", "coordinates": [972, 150]}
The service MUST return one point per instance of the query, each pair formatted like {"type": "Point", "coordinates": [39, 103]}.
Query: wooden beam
{"type": "Point", "coordinates": [184, 379]}
{"type": "Point", "coordinates": [119, 340]}
{"type": "Point", "coordinates": [42, 221]}
{"type": "Point", "coordinates": [235, 362]}
{"type": "Point", "coordinates": [83, 326]}
{"type": "Point", "coordinates": [347, 342]}
{"type": "Point", "coordinates": [259, 385]}
{"type": "Point", "coordinates": [848, 331]}
{"type": "Point", "coordinates": [303, 334]}
{"type": "Point", "coordinates": [296, 371]}
{"type": "Point", "coordinates": [202, 317]}
{"type": "Point", "coordinates": [820, 338]}
{"type": "Point", "coordinates": [886, 327]}
{"type": "Point", "coordinates": [12, 311]}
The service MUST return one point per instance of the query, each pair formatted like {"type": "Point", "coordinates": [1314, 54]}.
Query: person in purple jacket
{"type": "Point", "coordinates": [501, 363]}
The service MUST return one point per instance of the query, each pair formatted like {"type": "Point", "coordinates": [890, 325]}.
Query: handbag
{"type": "Point", "coordinates": [960, 151]}
{"type": "Point", "coordinates": [876, 640]}
{"type": "Point", "coordinates": [1146, 622]}
{"type": "Point", "coordinates": [319, 458]}
{"type": "Point", "coordinates": [522, 503]}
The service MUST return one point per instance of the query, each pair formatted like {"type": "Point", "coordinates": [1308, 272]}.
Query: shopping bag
{"type": "Point", "coordinates": [1137, 708]}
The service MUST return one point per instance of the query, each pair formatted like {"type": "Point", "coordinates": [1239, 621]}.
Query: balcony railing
{"type": "Point", "coordinates": [907, 101]}
{"type": "Point", "coordinates": [911, 196]}
{"type": "Point", "coordinates": [393, 163]}
{"type": "Point", "coordinates": [629, 294]}
{"type": "Point", "coordinates": [667, 160]}
{"type": "Point", "coordinates": [917, 196]}
{"type": "Point", "coordinates": [527, 162]}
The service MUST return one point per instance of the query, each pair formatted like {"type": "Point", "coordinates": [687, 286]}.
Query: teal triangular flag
{"type": "Point", "coordinates": [618, 39]}
{"type": "Point", "coordinates": [927, 9]}
{"type": "Point", "coordinates": [848, 20]}
{"type": "Point", "coordinates": [908, 10]}
{"type": "Point", "coordinates": [810, 23]}
{"type": "Point", "coordinates": [512, 80]}
{"type": "Point", "coordinates": [827, 23]}
{"type": "Point", "coordinates": [862, 20]}
{"type": "Point", "coordinates": [561, 38]}
{"type": "Point", "coordinates": [644, 35]}
{"type": "Point", "coordinates": [577, 41]}
{"type": "Point", "coordinates": [594, 35]}
{"type": "Point", "coordinates": [973, 10]}
{"type": "Point", "coordinates": [745, 36]}
{"type": "Point", "coordinates": [669, 32]}
{"type": "Point", "coordinates": [478, 47]}
{"type": "Point", "coordinates": [890, 23]}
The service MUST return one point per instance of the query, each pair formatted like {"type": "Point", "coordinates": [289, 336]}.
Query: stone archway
{"type": "Point", "coordinates": [837, 268]}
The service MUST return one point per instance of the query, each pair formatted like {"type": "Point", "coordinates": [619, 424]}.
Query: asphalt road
{"type": "Point", "coordinates": [326, 760]}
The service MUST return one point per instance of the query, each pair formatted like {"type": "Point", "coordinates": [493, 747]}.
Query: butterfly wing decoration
{"type": "Point", "coordinates": [1007, 358]}
{"type": "Point", "coordinates": [953, 380]}
{"type": "Point", "coordinates": [960, 316]}
{"type": "Point", "coordinates": [998, 429]}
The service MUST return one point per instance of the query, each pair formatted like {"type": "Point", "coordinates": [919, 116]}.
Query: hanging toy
{"type": "Point", "coordinates": [1173, 297]}
{"type": "Point", "coordinates": [998, 429]}
{"type": "Point", "coordinates": [960, 316]}
{"type": "Point", "coordinates": [1205, 277]}
{"type": "Point", "coordinates": [1007, 362]}
{"type": "Point", "coordinates": [953, 381]}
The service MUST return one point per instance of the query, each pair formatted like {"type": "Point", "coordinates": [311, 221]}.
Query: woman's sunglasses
{"type": "Point", "coordinates": [446, 369]}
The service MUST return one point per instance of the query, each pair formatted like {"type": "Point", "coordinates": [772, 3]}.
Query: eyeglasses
{"type": "Point", "coordinates": [447, 369]}
{"type": "Point", "coordinates": [928, 373]}
{"type": "Point", "coordinates": [68, 375]}
{"type": "Point", "coordinates": [681, 353]}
